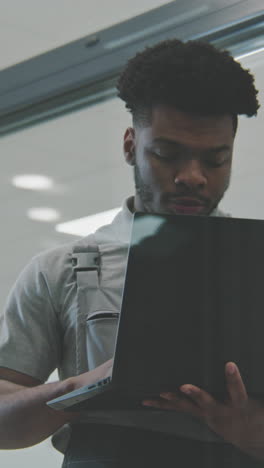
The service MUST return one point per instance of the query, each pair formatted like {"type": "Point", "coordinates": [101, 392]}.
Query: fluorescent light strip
{"type": "Point", "coordinates": [88, 224]}
{"type": "Point", "coordinates": [180, 19]}
{"type": "Point", "coordinates": [248, 54]}
{"type": "Point", "coordinates": [58, 109]}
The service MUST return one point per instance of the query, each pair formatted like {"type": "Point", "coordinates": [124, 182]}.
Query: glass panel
{"type": "Point", "coordinates": [82, 154]}
{"type": "Point", "coordinates": [245, 196]}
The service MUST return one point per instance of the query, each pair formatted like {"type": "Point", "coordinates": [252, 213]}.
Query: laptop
{"type": "Point", "coordinates": [193, 299]}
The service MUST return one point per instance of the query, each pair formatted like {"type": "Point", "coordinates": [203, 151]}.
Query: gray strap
{"type": "Point", "coordinates": [86, 265]}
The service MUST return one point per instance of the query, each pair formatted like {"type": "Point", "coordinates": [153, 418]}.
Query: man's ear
{"type": "Point", "coordinates": [129, 146]}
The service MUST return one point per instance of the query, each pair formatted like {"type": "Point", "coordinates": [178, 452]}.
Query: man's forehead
{"type": "Point", "coordinates": [169, 125]}
{"type": "Point", "coordinates": [169, 116]}
{"type": "Point", "coordinates": [177, 145]}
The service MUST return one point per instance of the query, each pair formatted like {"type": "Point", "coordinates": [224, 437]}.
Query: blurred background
{"type": "Point", "coordinates": [61, 125]}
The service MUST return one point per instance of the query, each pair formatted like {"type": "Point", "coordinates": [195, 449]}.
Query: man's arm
{"type": "Point", "coordinates": [25, 419]}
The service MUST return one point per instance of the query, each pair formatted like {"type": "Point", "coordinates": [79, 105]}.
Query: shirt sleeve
{"type": "Point", "coordinates": [30, 337]}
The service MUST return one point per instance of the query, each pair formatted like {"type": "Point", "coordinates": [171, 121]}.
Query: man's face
{"type": "Point", "coordinates": [182, 161]}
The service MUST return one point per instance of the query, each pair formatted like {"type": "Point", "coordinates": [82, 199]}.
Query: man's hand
{"type": "Point", "coordinates": [25, 418]}
{"type": "Point", "coordinates": [239, 420]}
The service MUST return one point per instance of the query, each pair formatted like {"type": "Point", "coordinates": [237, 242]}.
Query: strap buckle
{"type": "Point", "coordinates": [86, 261]}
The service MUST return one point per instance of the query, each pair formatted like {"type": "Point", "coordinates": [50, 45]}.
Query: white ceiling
{"type": "Point", "coordinates": [31, 27]}
{"type": "Point", "coordinates": [82, 152]}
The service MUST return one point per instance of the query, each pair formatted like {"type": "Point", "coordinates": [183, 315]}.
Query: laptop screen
{"type": "Point", "coordinates": [193, 300]}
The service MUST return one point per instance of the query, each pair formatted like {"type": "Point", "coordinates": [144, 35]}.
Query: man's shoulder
{"type": "Point", "coordinates": [58, 258]}
{"type": "Point", "coordinates": [114, 233]}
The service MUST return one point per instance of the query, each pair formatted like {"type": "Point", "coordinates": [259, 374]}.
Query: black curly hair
{"type": "Point", "coordinates": [192, 76]}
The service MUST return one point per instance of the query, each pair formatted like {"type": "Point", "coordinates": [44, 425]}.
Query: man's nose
{"type": "Point", "coordinates": [191, 174]}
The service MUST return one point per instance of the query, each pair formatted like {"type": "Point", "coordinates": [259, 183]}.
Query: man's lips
{"type": "Point", "coordinates": [187, 201]}
{"type": "Point", "coordinates": [186, 205]}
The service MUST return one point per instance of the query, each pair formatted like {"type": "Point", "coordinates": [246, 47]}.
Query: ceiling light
{"type": "Point", "coordinates": [32, 182]}
{"type": "Point", "coordinates": [88, 224]}
{"type": "Point", "coordinates": [43, 214]}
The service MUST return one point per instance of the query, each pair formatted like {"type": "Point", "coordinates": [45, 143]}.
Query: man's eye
{"type": "Point", "coordinates": [164, 157]}
{"type": "Point", "coordinates": [216, 163]}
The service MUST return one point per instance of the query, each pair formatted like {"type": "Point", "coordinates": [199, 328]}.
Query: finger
{"type": "Point", "coordinates": [169, 401]}
{"type": "Point", "coordinates": [200, 397]}
{"type": "Point", "coordinates": [181, 403]}
{"type": "Point", "coordinates": [235, 386]}
{"type": "Point", "coordinates": [171, 396]}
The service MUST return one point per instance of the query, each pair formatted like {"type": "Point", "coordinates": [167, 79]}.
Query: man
{"type": "Point", "coordinates": [184, 100]}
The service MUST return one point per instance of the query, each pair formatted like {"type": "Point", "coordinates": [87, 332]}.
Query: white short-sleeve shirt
{"type": "Point", "coordinates": [38, 325]}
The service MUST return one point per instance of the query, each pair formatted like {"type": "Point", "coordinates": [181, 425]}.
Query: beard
{"type": "Point", "coordinates": [143, 190]}
{"type": "Point", "coordinates": [146, 195]}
